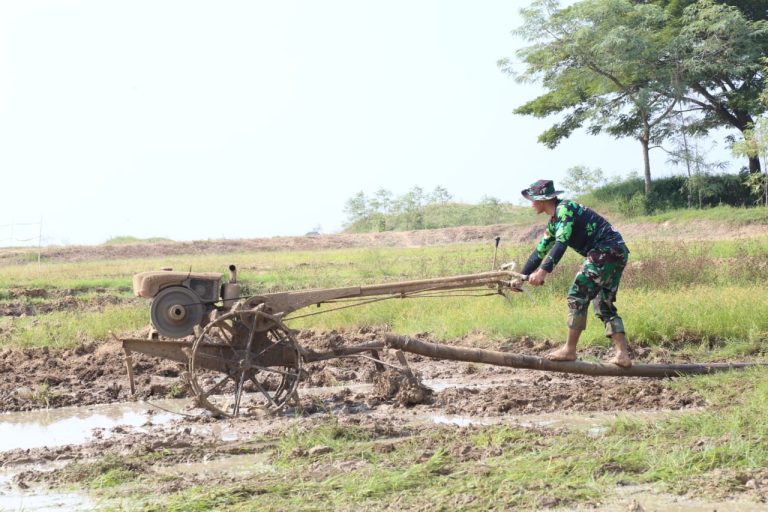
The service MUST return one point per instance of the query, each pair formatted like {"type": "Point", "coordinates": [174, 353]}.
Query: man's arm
{"type": "Point", "coordinates": [563, 230]}
{"type": "Point", "coordinates": [539, 252]}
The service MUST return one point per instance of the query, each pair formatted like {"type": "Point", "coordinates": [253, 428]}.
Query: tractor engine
{"type": "Point", "coordinates": [182, 300]}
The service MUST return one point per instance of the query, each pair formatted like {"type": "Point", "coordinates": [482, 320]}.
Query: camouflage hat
{"type": "Point", "coordinates": [541, 190]}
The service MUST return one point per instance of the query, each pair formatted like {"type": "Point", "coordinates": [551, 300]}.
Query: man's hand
{"type": "Point", "coordinates": [537, 277]}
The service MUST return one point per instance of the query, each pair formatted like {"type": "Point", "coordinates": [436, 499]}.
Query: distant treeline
{"type": "Point", "coordinates": [383, 211]}
{"type": "Point", "coordinates": [627, 196]}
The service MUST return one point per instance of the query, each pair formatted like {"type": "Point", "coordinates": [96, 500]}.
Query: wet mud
{"type": "Point", "coordinates": [39, 302]}
{"type": "Point", "coordinates": [351, 388]}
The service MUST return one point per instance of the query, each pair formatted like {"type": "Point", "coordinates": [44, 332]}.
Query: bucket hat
{"type": "Point", "coordinates": [541, 190]}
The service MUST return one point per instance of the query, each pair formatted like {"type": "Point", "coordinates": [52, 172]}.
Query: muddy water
{"type": "Point", "coordinates": [642, 497]}
{"type": "Point", "coordinates": [14, 498]}
{"type": "Point", "coordinates": [236, 465]}
{"type": "Point", "coordinates": [595, 424]}
{"type": "Point", "coordinates": [76, 425]}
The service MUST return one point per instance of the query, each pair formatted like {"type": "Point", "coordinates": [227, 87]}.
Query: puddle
{"type": "Point", "coordinates": [39, 499]}
{"type": "Point", "coordinates": [43, 501]}
{"type": "Point", "coordinates": [644, 496]}
{"type": "Point", "coordinates": [236, 465]}
{"type": "Point", "coordinates": [438, 385]}
{"type": "Point", "coordinates": [459, 421]}
{"type": "Point", "coordinates": [75, 425]}
{"type": "Point", "coordinates": [594, 424]}
{"type": "Point", "coordinates": [330, 390]}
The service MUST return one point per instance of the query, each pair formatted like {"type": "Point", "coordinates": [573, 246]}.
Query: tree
{"type": "Point", "coordinates": [580, 179]}
{"type": "Point", "coordinates": [755, 144]}
{"type": "Point", "coordinates": [491, 210]}
{"type": "Point", "coordinates": [411, 205]}
{"type": "Point", "coordinates": [356, 208]}
{"type": "Point", "coordinates": [602, 63]}
{"type": "Point", "coordinates": [379, 206]}
{"type": "Point", "coordinates": [440, 195]}
{"type": "Point", "coordinates": [718, 55]}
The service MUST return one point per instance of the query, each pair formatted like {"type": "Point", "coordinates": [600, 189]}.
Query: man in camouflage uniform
{"type": "Point", "coordinates": [589, 234]}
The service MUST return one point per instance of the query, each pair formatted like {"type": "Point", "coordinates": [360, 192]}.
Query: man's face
{"type": "Point", "coordinates": [538, 206]}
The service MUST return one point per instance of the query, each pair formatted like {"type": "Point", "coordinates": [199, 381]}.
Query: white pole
{"type": "Point", "coordinates": [40, 240]}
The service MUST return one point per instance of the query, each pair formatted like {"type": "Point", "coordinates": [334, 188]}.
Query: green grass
{"type": "Point", "coordinates": [71, 328]}
{"type": "Point", "coordinates": [693, 296]}
{"type": "Point", "coordinates": [504, 466]}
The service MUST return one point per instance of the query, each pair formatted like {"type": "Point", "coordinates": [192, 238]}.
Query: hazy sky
{"type": "Point", "coordinates": [236, 119]}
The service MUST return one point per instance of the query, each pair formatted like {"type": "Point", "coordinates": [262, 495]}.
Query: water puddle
{"type": "Point", "coordinates": [643, 496]}
{"type": "Point", "coordinates": [75, 425]}
{"type": "Point", "coordinates": [44, 501]}
{"type": "Point", "coordinates": [459, 421]}
{"type": "Point", "coordinates": [236, 465]}
{"type": "Point", "coordinates": [39, 499]}
{"type": "Point", "coordinates": [594, 424]}
{"type": "Point", "coordinates": [438, 385]}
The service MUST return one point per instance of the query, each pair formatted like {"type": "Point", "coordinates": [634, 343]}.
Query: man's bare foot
{"type": "Point", "coordinates": [562, 354]}
{"type": "Point", "coordinates": [622, 360]}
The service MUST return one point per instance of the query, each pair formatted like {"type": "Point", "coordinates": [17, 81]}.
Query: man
{"type": "Point", "coordinates": [589, 234]}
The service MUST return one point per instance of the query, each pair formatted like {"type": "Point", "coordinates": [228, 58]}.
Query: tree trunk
{"type": "Point", "coordinates": [646, 167]}
{"type": "Point", "coordinates": [476, 355]}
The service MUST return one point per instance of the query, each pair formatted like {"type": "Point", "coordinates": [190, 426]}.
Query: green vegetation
{"type": "Point", "coordinates": [706, 300]}
{"type": "Point", "coordinates": [712, 453]}
{"type": "Point", "coordinates": [672, 293]}
{"type": "Point", "coordinates": [417, 210]}
{"type": "Point", "coordinates": [645, 70]}
{"type": "Point", "coordinates": [125, 240]}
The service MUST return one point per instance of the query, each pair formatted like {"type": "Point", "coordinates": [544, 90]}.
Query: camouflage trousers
{"type": "Point", "coordinates": [598, 281]}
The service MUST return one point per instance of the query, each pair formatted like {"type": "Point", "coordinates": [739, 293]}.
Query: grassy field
{"type": "Point", "coordinates": [706, 297]}
{"type": "Point", "coordinates": [704, 301]}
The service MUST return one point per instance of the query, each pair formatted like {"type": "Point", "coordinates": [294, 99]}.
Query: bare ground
{"type": "Point", "coordinates": [694, 230]}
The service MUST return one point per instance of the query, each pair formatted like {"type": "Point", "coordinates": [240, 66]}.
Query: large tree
{"type": "Point", "coordinates": [603, 65]}
{"type": "Point", "coordinates": [621, 66]}
{"type": "Point", "coordinates": [718, 56]}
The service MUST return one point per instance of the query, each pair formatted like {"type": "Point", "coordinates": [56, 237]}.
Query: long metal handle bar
{"type": "Point", "coordinates": [286, 302]}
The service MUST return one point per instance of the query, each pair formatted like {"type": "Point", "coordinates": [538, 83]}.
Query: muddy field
{"type": "Point", "coordinates": [455, 393]}
{"type": "Point", "coordinates": [41, 382]}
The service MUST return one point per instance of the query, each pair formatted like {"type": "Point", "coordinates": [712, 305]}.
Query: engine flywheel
{"type": "Point", "coordinates": [176, 311]}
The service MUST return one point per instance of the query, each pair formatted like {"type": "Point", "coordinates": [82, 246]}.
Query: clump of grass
{"type": "Point", "coordinates": [109, 471]}
{"type": "Point", "coordinates": [126, 240]}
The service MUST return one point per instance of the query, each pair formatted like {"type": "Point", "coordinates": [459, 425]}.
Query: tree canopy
{"type": "Point", "coordinates": [624, 67]}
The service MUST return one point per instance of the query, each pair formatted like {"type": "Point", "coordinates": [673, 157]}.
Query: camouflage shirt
{"type": "Point", "coordinates": [576, 226]}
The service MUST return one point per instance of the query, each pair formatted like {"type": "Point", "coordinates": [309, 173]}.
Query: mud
{"type": "Point", "coordinates": [95, 373]}
{"type": "Point", "coordinates": [31, 302]}
{"type": "Point", "coordinates": [387, 405]}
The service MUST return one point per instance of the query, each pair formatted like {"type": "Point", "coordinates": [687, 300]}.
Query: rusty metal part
{"type": "Point", "coordinates": [175, 311]}
{"type": "Point", "coordinates": [244, 359]}
{"type": "Point", "coordinates": [246, 356]}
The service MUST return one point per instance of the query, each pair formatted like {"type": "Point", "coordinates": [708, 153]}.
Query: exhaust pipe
{"type": "Point", "coordinates": [230, 292]}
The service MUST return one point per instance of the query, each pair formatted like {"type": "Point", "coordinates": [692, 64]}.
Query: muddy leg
{"type": "Point", "coordinates": [622, 351]}
{"type": "Point", "coordinates": [568, 351]}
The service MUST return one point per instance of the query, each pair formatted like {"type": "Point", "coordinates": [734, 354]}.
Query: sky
{"type": "Point", "coordinates": [197, 120]}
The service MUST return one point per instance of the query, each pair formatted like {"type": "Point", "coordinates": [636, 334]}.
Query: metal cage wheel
{"type": "Point", "coordinates": [244, 359]}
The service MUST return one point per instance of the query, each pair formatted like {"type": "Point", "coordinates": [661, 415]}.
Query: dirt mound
{"type": "Point", "coordinates": [693, 230]}
{"type": "Point", "coordinates": [35, 378]}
